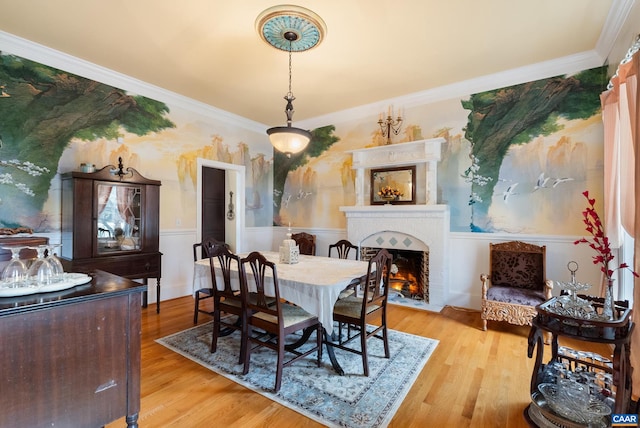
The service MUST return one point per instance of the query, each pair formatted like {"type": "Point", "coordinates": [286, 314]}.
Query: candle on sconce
{"type": "Point", "coordinates": [389, 125]}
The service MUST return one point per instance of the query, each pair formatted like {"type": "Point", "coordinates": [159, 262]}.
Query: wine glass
{"type": "Point", "coordinates": [40, 271]}
{"type": "Point", "coordinates": [56, 264]}
{"type": "Point", "coordinates": [15, 271]}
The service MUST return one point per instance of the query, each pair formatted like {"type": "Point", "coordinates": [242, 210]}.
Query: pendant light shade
{"type": "Point", "coordinates": [294, 29]}
{"type": "Point", "coordinates": [288, 140]}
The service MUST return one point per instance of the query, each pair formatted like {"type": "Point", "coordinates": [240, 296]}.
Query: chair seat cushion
{"type": "Point", "coordinates": [208, 292]}
{"type": "Point", "coordinates": [291, 314]}
{"type": "Point", "coordinates": [520, 296]}
{"type": "Point", "coordinates": [351, 307]}
{"type": "Point", "coordinates": [346, 293]}
{"type": "Point", "coordinates": [253, 298]}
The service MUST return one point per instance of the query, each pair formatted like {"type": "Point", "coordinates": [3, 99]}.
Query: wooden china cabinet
{"type": "Point", "coordinates": [110, 221]}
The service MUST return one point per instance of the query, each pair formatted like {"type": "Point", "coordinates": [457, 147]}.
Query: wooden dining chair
{"type": "Point", "coordinates": [277, 320]}
{"type": "Point", "coordinates": [227, 299]}
{"type": "Point", "coordinates": [306, 243]}
{"type": "Point", "coordinates": [366, 312]}
{"type": "Point", "coordinates": [199, 252]}
{"type": "Point", "coordinates": [343, 247]}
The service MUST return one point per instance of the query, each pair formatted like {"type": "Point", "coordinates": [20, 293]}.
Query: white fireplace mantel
{"type": "Point", "coordinates": [407, 227]}
{"type": "Point", "coordinates": [422, 226]}
{"type": "Point", "coordinates": [425, 154]}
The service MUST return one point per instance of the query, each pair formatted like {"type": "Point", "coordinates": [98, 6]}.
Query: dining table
{"type": "Point", "coordinates": [314, 284]}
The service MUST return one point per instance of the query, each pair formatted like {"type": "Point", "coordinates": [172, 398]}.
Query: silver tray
{"type": "Point", "coordinates": [69, 280]}
{"type": "Point", "coordinates": [591, 413]}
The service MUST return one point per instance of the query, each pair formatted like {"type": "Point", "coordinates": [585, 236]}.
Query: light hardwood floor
{"type": "Point", "coordinates": [473, 379]}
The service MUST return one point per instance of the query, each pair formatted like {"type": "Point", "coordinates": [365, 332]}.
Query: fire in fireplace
{"type": "Point", "coordinates": [409, 272]}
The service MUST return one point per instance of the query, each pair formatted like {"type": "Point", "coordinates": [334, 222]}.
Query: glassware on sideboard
{"type": "Point", "coordinates": [56, 264]}
{"type": "Point", "coordinates": [41, 271]}
{"type": "Point", "coordinates": [15, 272]}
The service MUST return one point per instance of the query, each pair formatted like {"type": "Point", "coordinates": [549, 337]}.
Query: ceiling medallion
{"type": "Point", "coordinates": [273, 23]}
{"type": "Point", "coordinates": [291, 29]}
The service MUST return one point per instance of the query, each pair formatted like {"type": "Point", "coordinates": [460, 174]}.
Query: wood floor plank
{"type": "Point", "coordinates": [474, 378]}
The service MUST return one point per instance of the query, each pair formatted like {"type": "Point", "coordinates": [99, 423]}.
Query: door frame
{"type": "Point", "coordinates": [234, 182]}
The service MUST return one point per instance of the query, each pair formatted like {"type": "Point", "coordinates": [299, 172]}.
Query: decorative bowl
{"type": "Point", "coordinates": [574, 402]}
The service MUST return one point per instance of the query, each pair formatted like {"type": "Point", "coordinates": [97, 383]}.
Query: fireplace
{"type": "Point", "coordinates": [406, 229]}
{"type": "Point", "coordinates": [414, 231]}
{"type": "Point", "coordinates": [409, 276]}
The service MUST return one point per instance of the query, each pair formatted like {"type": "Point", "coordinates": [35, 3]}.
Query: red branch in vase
{"type": "Point", "coordinates": [599, 241]}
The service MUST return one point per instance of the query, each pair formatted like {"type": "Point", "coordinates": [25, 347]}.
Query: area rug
{"type": "Point", "coordinates": [352, 400]}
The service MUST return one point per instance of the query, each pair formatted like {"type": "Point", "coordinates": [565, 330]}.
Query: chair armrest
{"type": "Point", "coordinates": [485, 280]}
{"type": "Point", "coordinates": [548, 286]}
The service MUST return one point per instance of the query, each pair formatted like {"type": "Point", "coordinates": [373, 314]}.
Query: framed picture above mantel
{"type": "Point", "coordinates": [394, 186]}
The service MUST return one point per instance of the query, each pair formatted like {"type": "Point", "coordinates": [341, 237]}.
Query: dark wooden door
{"type": "Point", "coordinates": [213, 203]}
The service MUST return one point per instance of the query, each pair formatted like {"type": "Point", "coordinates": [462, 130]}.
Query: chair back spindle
{"type": "Point", "coordinates": [343, 247]}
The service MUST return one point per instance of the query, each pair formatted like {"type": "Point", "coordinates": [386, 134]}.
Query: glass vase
{"type": "Point", "coordinates": [608, 309]}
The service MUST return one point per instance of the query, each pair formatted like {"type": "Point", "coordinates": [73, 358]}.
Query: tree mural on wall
{"type": "Point", "coordinates": [41, 110]}
{"type": "Point", "coordinates": [515, 115]}
{"type": "Point", "coordinates": [321, 139]}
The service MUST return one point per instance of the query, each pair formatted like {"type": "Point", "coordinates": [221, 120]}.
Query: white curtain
{"type": "Point", "coordinates": [622, 166]}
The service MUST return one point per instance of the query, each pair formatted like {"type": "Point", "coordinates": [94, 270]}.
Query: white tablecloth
{"type": "Point", "coordinates": [314, 283]}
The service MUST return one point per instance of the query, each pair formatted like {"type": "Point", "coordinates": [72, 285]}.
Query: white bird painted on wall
{"type": "Point", "coordinates": [302, 194]}
{"type": "Point", "coordinates": [561, 180]}
{"type": "Point", "coordinates": [542, 182]}
{"type": "Point", "coordinates": [509, 192]}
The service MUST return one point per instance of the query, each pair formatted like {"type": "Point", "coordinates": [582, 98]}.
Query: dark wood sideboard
{"type": "Point", "coordinates": [72, 358]}
{"type": "Point", "coordinates": [20, 241]}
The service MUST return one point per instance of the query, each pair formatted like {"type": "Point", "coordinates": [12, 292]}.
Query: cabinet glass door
{"type": "Point", "coordinates": [118, 218]}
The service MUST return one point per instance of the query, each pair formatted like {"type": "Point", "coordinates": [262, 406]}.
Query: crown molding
{"type": "Point", "coordinates": [561, 66]}
{"type": "Point", "coordinates": [618, 14]}
{"type": "Point", "coordinates": [36, 52]}
{"type": "Point", "coordinates": [558, 67]}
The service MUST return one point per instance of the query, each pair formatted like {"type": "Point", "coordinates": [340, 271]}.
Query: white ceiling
{"type": "Point", "coordinates": [374, 50]}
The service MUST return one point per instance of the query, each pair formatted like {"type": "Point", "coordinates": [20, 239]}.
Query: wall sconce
{"type": "Point", "coordinates": [390, 125]}
{"type": "Point", "coordinates": [231, 214]}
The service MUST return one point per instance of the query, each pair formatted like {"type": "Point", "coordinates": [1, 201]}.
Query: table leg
{"type": "Point", "coordinates": [332, 355]}
{"type": "Point", "coordinates": [306, 333]}
{"type": "Point", "coordinates": [228, 330]}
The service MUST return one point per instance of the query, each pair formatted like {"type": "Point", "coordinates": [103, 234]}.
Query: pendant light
{"type": "Point", "coordinates": [292, 29]}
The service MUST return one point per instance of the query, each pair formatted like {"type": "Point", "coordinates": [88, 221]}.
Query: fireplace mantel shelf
{"type": "Point", "coordinates": [389, 208]}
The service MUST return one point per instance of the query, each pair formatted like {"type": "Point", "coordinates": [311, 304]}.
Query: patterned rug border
{"type": "Point", "coordinates": [426, 346]}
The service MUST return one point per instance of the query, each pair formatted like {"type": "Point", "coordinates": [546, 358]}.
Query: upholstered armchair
{"type": "Point", "coordinates": [516, 283]}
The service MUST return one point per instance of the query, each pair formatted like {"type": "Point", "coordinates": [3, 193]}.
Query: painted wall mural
{"type": "Point", "coordinates": [515, 117]}
{"type": "Point", "coordinates": [42, 109]}
{"type": "Point", "coordinates": [515, 160]}
{"type": "Point", "coordinates": [295, 187]}
{"type": "Point", "coordinates": [51, 121]}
